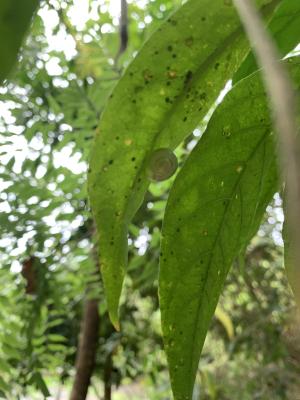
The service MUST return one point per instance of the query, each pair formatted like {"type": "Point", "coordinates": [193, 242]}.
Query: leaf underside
{"type": "Point", "coordinates": [285, 30]}
{"type": "Point", "coordinates": [165, 92]}
{"type": "Point", "coordinates": [214, 208]}
{"type": "Point", "coordinates": [15, 17]}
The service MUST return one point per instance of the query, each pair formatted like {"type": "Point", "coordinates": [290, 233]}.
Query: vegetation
{"type": "Point", "coordinates": [141, 209]}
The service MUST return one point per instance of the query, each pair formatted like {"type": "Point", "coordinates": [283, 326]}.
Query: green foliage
{"type": "Point", "coordinates": [15, 18]}
{"type": "Point", "coordinates": [163, 95]}
{"type": "Point", "coordinates": [261, 360]}
{"type": "Point", "coordinates": [285, 30]}
{"type": "Point", "coordinates": [36, 338]}
{"type": "Point", "coordinates": [170, 88]}
{"type": "Point", "coordinates": [232, 176]}
{"type": "Point", "coordinates": [43, 205]}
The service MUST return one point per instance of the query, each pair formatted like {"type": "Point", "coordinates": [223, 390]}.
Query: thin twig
{"type": "Point", "coordinates": [284, 105]}
{"type": "Point", "coordinates": [123, 30]}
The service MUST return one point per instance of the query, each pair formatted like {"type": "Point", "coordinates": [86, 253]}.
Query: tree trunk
{"type": "Point", "coordinates": [107, 377]}
{"type": "Point", "coordinates": [85, 359]}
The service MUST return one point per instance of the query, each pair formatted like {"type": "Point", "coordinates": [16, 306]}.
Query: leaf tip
{"type": "Point", "coordinates": [114, 318]}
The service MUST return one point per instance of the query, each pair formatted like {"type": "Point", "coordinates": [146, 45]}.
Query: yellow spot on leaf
{"type": "Point", "coordinates": [128, 142]}
{"type": "Point", "coordinates": [172, 74]}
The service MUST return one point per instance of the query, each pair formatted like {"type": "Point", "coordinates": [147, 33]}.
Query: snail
{"type": "Point", "coordinates": [162, 164]}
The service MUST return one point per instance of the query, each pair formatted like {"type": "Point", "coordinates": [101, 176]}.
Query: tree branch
{"type": "Point", "coordinates": [89, 335]}
{"type": "Point", "coordinates": [87, 351]}
{"type": "Point", "coordinates": [123, 30]}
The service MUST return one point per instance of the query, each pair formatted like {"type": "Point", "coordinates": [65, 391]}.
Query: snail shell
{"type": "Point", "coordinates": [162, 165]}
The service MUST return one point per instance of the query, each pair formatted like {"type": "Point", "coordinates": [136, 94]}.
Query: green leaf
{"type": "Point", "coordinates": [214, 208]}
{"type": "Point", "coordinates": [4, 366]}
{"type": "Point", "coordinates": [56, 338]}
{"type": "Point", "coordinates": [13, 341]}
{"type": "Point", "coordinates": [57, 347]}
{"type": "Point", "coordinates": [41, 384]}
{"type": "Point", "coordinates": [291, 268]}
{"type": "Point", "coordinates": [3, 385]}
{"type": "Point", "coordinates": [11, 352]}
{"type": "Point", "coordinates": [165, 92]}
{"type": "Point", "coordinates": [15, 17]}
{"type": "Point", "coordinates": [285, 30]}
{"type": "Point", "coordinates": [55, 322]}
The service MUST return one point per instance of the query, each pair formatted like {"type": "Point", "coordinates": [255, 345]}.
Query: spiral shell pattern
{"type": "Point", "coordinates": [162, 165]}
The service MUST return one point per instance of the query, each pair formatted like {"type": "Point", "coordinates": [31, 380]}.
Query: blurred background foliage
{"type": "Point", "coordinates": [49, 110]}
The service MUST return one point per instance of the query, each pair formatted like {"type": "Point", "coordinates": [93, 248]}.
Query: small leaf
{"type": "Point", "coordinates": [214, 208]}
{"type": "Point", "coordinates": [40, 383]}
{"type": "Point", "coordinates": [53, 337]}
{"type": "Point", "coordinates": [55, 322]}
{"type": "Point", "coordinates": [15, 18]}
{"type": "Point", "coordinates": [56, 347]}
{"type": "Point", "coordinates": [165, 92]}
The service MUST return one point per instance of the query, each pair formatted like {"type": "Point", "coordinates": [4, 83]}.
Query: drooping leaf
{"type": "Point", "coordinates": [285, 30]}
{"type": "Point", "coordinates": [214, 208]}
{"type": "Point", "coordinates": [163, 95]}
{"type": "Point", "coordinates": [41, 384]}
{"type": "Point", "coordinates": [15, 17]}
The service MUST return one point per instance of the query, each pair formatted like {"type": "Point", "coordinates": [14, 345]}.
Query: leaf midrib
{"type": "Point", "coordinates": [236, 186]}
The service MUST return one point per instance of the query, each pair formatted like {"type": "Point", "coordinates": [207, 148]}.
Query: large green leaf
{"type": "Point", "coordinates": [214, 208]}
{"type": "Point", "coordinates": [285, 30]}
{"type": "Point", "coordinates": [163, 95]}
{"type": "Point", "coordinates": [15, 17]}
